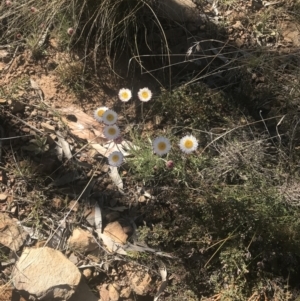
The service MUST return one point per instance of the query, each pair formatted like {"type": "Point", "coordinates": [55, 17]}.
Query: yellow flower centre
{"type": "Point", "coordinates": [112, 131]}
{"type": "Point", "coordinates": [115, 158]}
{"type": "Point", "coordinates": [110, 117]}
{"type": "Point", "coordinates": [161, 146]}
{"type": "Point", "coordinates": [124, 95]}
{"type": "Point", "coordinates": [188, 143]}
{"type": "Point", "coordinates": [100, 113]}
{"type": "Point", "coordinates": [145, 94]}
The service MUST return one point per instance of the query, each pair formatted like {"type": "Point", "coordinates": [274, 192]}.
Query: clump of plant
{"type": "Point", "coordinates": [106, 26]}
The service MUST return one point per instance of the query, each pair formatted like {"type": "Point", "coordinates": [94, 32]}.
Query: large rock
{"type": "Point", "coordinates": [45, 274]}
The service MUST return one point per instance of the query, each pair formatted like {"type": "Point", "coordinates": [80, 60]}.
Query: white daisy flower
{"type": "Point", "coordinates": [109, 117]}
{"type": "Point", "coordinates": [98, 113]}
{"type": "Point", "coordinates": [161, 145]}
{"type": "Point", "coordinates": [188, 144]}
{"type": "Point", "coordinates": [111, 132]}
{"type": "Point", "coordinates": [144, 94]}
{"type": "Point", "coordinates": [115, 159]}
{"type": "Point", "coordinates": [124, 94]}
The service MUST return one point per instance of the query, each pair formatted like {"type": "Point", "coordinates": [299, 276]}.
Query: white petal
{"type": "Point", "coordinates": [124, 94]}
{"type": "Point", "coordinates": [158, 142]}
{"type": "Point", "coordinates": [102, 110]}
{"type": "Point", "coordinates": [115, 159]}
{"type": "Point", "coordinates": [109, 117]}
{"type": "Point", "coordinates": [144, 94]}
{"type": "Point", "coordinates": [188, 148]}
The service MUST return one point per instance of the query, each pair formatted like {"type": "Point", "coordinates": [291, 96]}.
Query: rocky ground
{"type": "Point", "coordinates": [69, 222]}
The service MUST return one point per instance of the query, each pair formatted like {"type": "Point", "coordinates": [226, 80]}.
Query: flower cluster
{"type": "Point", "coordinates": [111, 131]}
{"type": "Point", "coordinates": [161, 145]}
{"type": "Point", "coordinates": [144, 95]}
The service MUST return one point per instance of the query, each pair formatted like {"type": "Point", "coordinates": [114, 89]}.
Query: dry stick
{"type": "Point", "coordinates": [277, 127]}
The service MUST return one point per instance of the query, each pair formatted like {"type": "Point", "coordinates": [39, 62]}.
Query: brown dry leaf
{"type": "Point", "coordinates": [82, 125]}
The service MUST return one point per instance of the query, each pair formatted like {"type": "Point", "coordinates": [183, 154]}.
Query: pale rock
{"type": "Point", "coordinates": [115, 231]}
{"type": "Point", "coordinates": [3, 54]}
{"type": "Point", "coordinates": [47, 127]}
{"type": "Point", "coordinates": [89, 215]}
{"type": "Point", "coordinates": [139, 278]}
{"type": "Point", "coordinates": [73, 258]}
{"type": "Point", "coordinates": [87, 273]}
{"type": "Point", "coordinates": [73, 205]}
{"type": "Point", "coordinates": [3, 197]}
{"type": "Point", "coordinates": [11, 235]}
{"type": "Point", "coordinates": [125, 292]}
{"type": "Point", "coordinates": [239, 42]}
{"type": "Point", "coordinates": [113, 293]}
{"type": "Point", "coordinates": [53, 275]}
{"type": "Point", "coordinates": [104, 293]}
{"type": "Point", "coordinates": [82, 241]}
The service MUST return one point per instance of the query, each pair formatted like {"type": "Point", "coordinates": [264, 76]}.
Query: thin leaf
{"type": "Point", "coordinates": [111, 245]}
{"type": "Point", "coordinates": [64, 145]}
{"type": "Point", "coordinates": [115, 176]}
{"type": "Point", "coordinates": [98, 218]}
{"type": "Point", "coordinates": [164, 284]}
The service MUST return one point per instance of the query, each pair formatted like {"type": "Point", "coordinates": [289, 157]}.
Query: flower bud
{"type": "Point", "coordinates": [70, 31]}
{"type": "Point", "coordinates": [170, 164]}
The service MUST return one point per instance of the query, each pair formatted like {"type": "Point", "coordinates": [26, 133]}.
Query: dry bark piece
{"type": "Point", "coordinates": [11, 235]}
{"type": "Point", "coordinates": [82, 125]}
{"type": "Point", "coordinates": [82, 241]}
{"type": "Point", "coordinates": [53, 275]}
